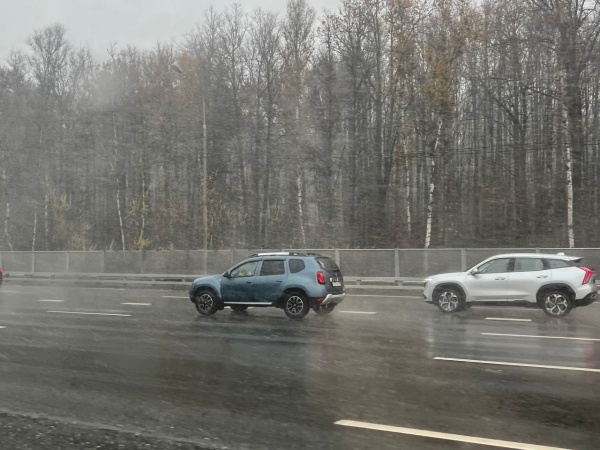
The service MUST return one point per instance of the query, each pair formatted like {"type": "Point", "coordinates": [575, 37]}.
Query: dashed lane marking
{"type": "Point", "coordinates": [445, 436]}
{"type": "Point", "coordinates": [541, 337]}
{"type": "Point", "coordinates": [137, 304]}
{"type": "Point", "coordinates": [507, 319]}
{"type": "Point", "coordinates": [359, 312]}
{"type": "Point", "coordinates": [107, 288]}
{"type": "Point", "coordinates": [505, 363]}
{"type": "Point", "coordinates": [51, 301]}
{"type": "Point", "coordinates": [89, 313]}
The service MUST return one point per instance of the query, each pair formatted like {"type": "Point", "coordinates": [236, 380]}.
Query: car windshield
{"type": "Point", "coordinates": [248, 224]}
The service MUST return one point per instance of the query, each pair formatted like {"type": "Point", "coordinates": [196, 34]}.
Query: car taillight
{"type": "Point", "coordinates": [588, 274]}
{"type": "Point", "coordinates": [320, 278]}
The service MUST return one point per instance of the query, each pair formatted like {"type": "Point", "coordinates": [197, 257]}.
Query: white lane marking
{"type": "Point", "coordinates": [89, 313]}
{"type": "Point", "coordinates": [2, 327]}
{"type": "Point", "coordinates": [505, 363]}
{"type": "Point", "coordinates": [108, 289]}
{"type": "Point", "coordinates": [48, 300]}
{"type": "Point", "coordinates": [172, 296]}
{"type": "Point", "coordinates": [137, 304]}
{"type": "Point", "coordinates": [541, 337]}
{"type": "Point", "coordinates": [508, 320]}
{"type": "Point", "coordinates": [445, 436]}
{"type": "Point", "coordinates": [358, 312]}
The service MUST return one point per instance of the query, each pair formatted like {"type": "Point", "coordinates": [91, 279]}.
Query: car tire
{"type": "Point", "coordinates": [556, 303]}
{"type": "Point", "coordinates": [324, 310]}
{"type": "Point", "coordinates": [206, 302]}
{"type": "Point", "coordinates": [295, 305]}
{"type": "Point", "coordinates": [239, 308]}
{"type": "Point", "coordinates": [449, 300]}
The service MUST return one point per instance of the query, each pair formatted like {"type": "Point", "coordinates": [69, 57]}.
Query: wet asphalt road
{"type": "Point", "coordinates": [158, 376]}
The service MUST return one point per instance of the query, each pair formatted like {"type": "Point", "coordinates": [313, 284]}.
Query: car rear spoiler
{"type": "Point", "coordinates": [571, 258]}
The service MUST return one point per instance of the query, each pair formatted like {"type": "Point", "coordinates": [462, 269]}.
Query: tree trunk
{"type": "Point", "coordinates": [432, 174]}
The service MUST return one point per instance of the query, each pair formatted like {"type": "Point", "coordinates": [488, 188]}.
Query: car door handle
{"type": "Point", "coordinates": [280, 281]}
{"type": "Point", "coordinates": [501, 278]}
{"type": "Point", "coordinates": [249, 282]}
{"type": "Point", "coordinates": [542, 276]}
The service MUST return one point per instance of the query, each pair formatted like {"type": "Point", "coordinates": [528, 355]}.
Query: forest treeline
{"type": "Point", "coordinates": [383, 123]}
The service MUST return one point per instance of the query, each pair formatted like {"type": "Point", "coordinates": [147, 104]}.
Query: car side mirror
{"type": "Point", "coordinates": [227, 274]}
{"type": "Point", "coordinates": [474, 272]}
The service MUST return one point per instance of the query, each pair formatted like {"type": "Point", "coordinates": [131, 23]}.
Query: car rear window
{"type": "Point", "coordinates": [558, 263]}
{"type": "Point", "coordinates": [328, 264]}
{"type": "Point", "coordinates": [296, 265]}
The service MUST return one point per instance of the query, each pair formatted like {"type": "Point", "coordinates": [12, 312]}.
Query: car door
{"type": "Point", "coordinates": [528, 275]}
{"type": "Point", "coordinates": [268, 284]}
{"type": "Point", "coordinates": [489, 281]}
{"type": "Point", "coordinates": [237, 284]}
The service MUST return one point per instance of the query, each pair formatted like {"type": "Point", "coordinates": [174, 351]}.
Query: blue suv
{"type": "Point", "coordinates": [295, 282]}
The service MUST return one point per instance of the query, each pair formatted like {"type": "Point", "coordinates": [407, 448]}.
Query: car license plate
{"type": "Point", "coordinates": [336, 283]}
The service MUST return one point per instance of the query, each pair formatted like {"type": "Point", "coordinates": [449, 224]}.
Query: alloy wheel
{"type": "Point", "coordinates": [556, 304]}
{"type": "Point", "coordinates": [205, 303]}
{"type": "Point", "coordinates": [448, 301]}
{"type": "Point", "coordinates": [295, 304]}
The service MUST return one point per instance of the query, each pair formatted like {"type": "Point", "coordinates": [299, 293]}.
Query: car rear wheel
{"type": "Point", "coordinates": [295, 305]}
{"type": "Point", "coordinates": [206, 303]}
{"type": "Point", "coordinates": [557, 304]}
{"type": "Point", "coordinates": [239, 308]}
{"type": "Point", "coordinates": [324, 310]}
{"type": "Point", "coordinates": [449, 300]}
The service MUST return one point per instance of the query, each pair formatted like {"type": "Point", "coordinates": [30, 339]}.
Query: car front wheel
{"type": "Point", "coordinates": [557, 304]}
{"type": "Point", "coordinates": [295, 305]}
{"type": "Point", "coordinates": [449, 300]}
{"type": "Point", "coordinates": [206, 303]}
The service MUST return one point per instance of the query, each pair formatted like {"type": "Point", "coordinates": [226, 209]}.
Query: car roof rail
{"type": "Point", "coordinates": [283, 254]}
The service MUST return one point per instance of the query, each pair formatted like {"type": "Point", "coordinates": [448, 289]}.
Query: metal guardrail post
{"type": "Point", "coordinates": [67, 263]}
{"type": "Point", "coordinates": [396, 263]}
{"type": "Point", "coordinates": [463, 259]}
{"type": "Point", "coordinates": [32, 262]}
{"type": "Point", "coordinates": [337, 257]}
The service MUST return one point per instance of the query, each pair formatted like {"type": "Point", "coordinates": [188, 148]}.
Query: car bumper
{"type": "Point", "coordinates": [587, 300]}
{"type": "Point", "coordinates": [427, 294]}
{"type": "Point", "coordinates": [333, 299]}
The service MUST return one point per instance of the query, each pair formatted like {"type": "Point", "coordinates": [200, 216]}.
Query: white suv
{"type": "Point", "coordinates": [556, 283]}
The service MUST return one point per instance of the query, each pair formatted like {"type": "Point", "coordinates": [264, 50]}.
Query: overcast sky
{"type": "Point", "coordinates": [97, 23]}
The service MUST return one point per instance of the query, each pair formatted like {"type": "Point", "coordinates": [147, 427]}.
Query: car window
{"type": "Point", "coordinates": [528, 264]}
{"type": "Point", "coordinates": [494, 266]}
{"type": "Point", "coordinates": [558, 263]}
{"type": "Point", "coordinates": [272, 267]}
{"type": "Point", "coordinates": [296, 265]}
{"type": "Point", "coordinates": [328, 264]}
{"type": "Point", "coordinates": [244, 270]}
